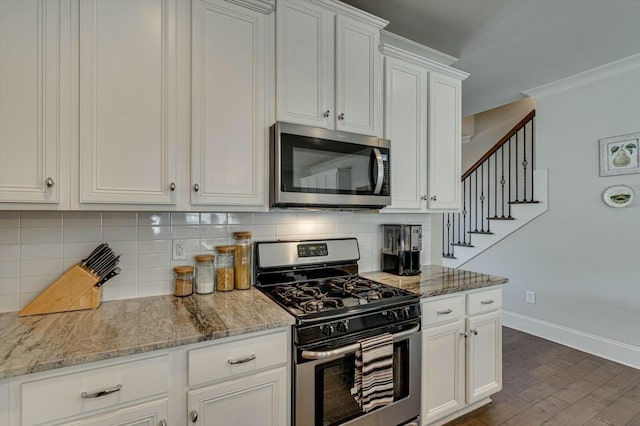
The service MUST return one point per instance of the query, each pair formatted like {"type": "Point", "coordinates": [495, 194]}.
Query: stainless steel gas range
{"type": "Point", "coordinates": [318, 283]}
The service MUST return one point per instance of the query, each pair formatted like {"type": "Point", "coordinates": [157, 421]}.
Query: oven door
{"type": "Point", "coordinates": [324, 168]}
{"type": "Point", "coordinates": [324, 378]}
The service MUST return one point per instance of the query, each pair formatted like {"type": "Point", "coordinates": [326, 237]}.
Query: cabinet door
{"type": "Point", "coordinates": [406, 126]}
{"type": "Point", "coordinates": [358, 83]}
{"type": "Point", "coordinates": [305, 64]}
{"type": "Point", "coordinates": [150, 414]}
{"type": "Point", "coordinates": [34, 47]}
{"type": "Point", "coordinates": [442, 370]}
{"type": "Point", "coordinates": [127, 101]}
{"type": "Point", "coordinates": [484, 356]}
{"type": "Point", "coordinates": [230, 57]}
{"type": "Point", "coordinates": [260, 399]}
{"type": "Point", "coordinates": [444, 142]}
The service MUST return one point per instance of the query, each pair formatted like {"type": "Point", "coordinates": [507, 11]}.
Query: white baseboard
{"type": "Point", "coordinates": [612, 350]}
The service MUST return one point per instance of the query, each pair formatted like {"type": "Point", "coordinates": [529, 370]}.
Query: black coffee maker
{"type": "Point", "coordinates": [401, 248]}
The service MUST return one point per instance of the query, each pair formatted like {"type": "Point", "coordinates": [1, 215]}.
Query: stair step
{"type": "Point", "coordinates": [501, 218]}
{"type": "Point", "coordinates": [448, 256]}
{"type": "Point", "coordinates": [524, 202]}
{"type": "Point", "coordinates": [462, 244]}
{"type": "Point", "coordinates": [481, 232]}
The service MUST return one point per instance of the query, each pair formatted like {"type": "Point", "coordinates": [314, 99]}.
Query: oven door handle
{"type": "Point", "coordinates": [353, 347]}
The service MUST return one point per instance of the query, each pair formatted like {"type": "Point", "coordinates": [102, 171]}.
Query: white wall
{"type": "Point", "coordinates": [37, 247]}
{"type": "Point", "coordinates": [581, 257]}
{"type": "Point", "coordinates": [489, 126]}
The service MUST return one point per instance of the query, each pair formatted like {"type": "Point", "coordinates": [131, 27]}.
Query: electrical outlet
{"type": "Point", "coordinates": [179, 252]}
{"type": "Point", "coordinates": [531, 296]}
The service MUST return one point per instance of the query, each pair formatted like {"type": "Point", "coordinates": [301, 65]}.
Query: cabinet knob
{"type": "Point", "coordinates": [172, 186]}
{"type": "Point", "coordinates": [475, 332]}
{"type": "Point", "coordinates": [163, 422]}
{"type": "Point", "coordinates": [196, 187]}
{"type": "Point", "coordinates": [326, 114]}
{"type": "Point", "coordinates": [434, 198]}
{"type": "Point", "coordinates": [424, 197]}
{"type": "Point", "coordinates": [341, 116]}
{"type": "Point", "coordinates": [50, 182]}
{"type": "Point", "coordinates": [465, 335]}
{"type": "Point", "coordinates": [194, 416]}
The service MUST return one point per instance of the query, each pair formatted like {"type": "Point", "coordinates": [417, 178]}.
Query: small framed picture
{"type": "Point", "coordinates": [619, 155]}
{"type": "Point", "coordinates": [619, 196]}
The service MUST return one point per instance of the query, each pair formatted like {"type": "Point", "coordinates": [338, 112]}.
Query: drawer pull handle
{"type": "Point", "coordinates": [447, 312]}
{"type": "Point", "coordinates": [194, 416]}
{"type": "Point", "coordinates": [486, 302]}
{"type": "Point", "coordinates": [242, 360]}
{"type": "Point", "coordinates": [102, 393]}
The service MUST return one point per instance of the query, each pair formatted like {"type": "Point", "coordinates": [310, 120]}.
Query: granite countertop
{"type": "Point", "coordinates": [126, 327]}
{"type": "Point", "coordinates": [435, 280]}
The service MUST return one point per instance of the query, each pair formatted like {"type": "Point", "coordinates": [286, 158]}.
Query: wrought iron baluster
{"type": "Point", "coordinates": [532, 156]}
{"type": "Point", "coordinates": [476, 197]}
{"type": "Point", "coordinates": [509, 180]}
{"type": "Point", "coordinates": [502, 181]}
{"type": "Point", "coordinates": [464, 211]}
{"type": "Point", "coordinates": [482, 198]}
{"type": "Point", "coordinates": [495, 184]}
{"type": "Point", "coordinates": [516, 166]}
{"type": "Point", "coordinates": [524, 160]}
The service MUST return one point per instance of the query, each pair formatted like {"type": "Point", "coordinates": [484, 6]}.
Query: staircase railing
{"type": "Point", "coordinates": [500, 178]}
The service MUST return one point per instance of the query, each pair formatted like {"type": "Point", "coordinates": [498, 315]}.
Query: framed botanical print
{"type": "Point", "coordinates": [619, 155]}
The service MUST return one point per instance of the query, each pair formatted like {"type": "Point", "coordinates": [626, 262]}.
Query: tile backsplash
{"type": "Point", "coordinates": [36, 247]}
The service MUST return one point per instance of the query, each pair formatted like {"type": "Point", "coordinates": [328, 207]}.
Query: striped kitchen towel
{"type": "Point", "coordinates": [373, 381]}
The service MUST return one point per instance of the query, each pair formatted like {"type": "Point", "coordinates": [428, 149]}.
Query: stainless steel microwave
{"type": "Point", "coordinates": [311, 167]}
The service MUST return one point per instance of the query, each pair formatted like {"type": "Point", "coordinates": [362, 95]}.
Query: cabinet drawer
{"type": "Point", "coordinates": [237, 357]}
{"type": "Point", "coordinates": [61, 397]}
{"type": "Point", "coordinates": [442, 310]}
{"type": "Point", "coordinates": [484, 301]}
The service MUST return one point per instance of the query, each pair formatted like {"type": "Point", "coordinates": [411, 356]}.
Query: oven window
{"type": "Point", "coordinates": [326, 167]}
{"type": "Point", "coordinates": [334, 380]}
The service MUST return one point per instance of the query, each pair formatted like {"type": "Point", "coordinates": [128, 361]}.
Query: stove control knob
{"type": "Point", "coordinates": [392, 316]}
{"type": "Point", "coordinates": [406, 312]}
{"type": "Point", "coordinates": [327, 330]}
{"type": "Point", "coordinates": [342, 326]}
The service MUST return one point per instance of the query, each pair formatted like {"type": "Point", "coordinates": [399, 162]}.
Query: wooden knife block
{"type": "Point", "coordinates": [73, 291]}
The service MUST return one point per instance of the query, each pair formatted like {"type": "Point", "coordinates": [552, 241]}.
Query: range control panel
{"type": "Point", "coordinates": [313, 250]}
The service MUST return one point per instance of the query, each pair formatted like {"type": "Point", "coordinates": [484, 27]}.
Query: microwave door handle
{"type": "Point", "coordinates": [379, 179]}
{"type": "Point", "coordinates": [354, 347]}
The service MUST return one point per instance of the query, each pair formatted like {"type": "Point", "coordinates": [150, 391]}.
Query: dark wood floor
{"type": "Point", "coordinates": [547, 383]}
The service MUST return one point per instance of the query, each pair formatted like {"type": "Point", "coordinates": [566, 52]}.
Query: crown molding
{"type": "Point", "coordinates": [339, 7]}
{"type": "Point", "coordinates": [397, 53]}
{"type": "Point", "coordinates": [416, 48]}
{"type": "Point", "coordinates": [575, 81]}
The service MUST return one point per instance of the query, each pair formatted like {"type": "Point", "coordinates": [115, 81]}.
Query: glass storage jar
{"type": "Point", "coordinates": [183, 281]}
{"type": "Point", "coordinates": [225, 272]}
{"type": "Point", "coordinates": [205, 274]}
{"type": "Point", "coordinates": [243, 259]}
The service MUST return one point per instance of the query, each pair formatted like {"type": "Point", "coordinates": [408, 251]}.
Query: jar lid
{"type": "Point", "coordinates": [225, 249]}
{"type": "Point", "coordinates": [186, 269]}
{"type": "Point", "coordinates": [205, 258]}
{"type": "Point", "coordinates": [242, 234]}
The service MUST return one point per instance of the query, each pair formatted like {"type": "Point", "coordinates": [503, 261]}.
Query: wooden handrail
{"type": "Point", "coordinates": [501, 142]}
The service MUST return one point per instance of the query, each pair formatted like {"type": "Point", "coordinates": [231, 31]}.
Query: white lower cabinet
{"type": "Point", "coordinates": [461, 353]}
{"type": "Point", "coordinates": [241, 380]}
{"type": "Point", "coordinates": [150, 414]}
{"type": "Point", "coordinates": [260, 399]}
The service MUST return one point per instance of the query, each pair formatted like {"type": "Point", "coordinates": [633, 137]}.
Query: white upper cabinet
{"type": "Point", "coordinates": [305, 64]}
{"type": "Point", "coordinates": [357, 76]}
{"type": "Point", "coordinates": [445, 142]}
{"type": "Point", "coordinates": [127, 101]}
{"type": "Point", "coordinates": [317, 40]}
{"type": "Point", "coordinates": [34, 96]}
{"type": "Point", "coordinates": [405, 124]}
{"type": "Point", "coordinates": [423, 120]}
{"type": "Point", "coordinates": [230, 103]}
